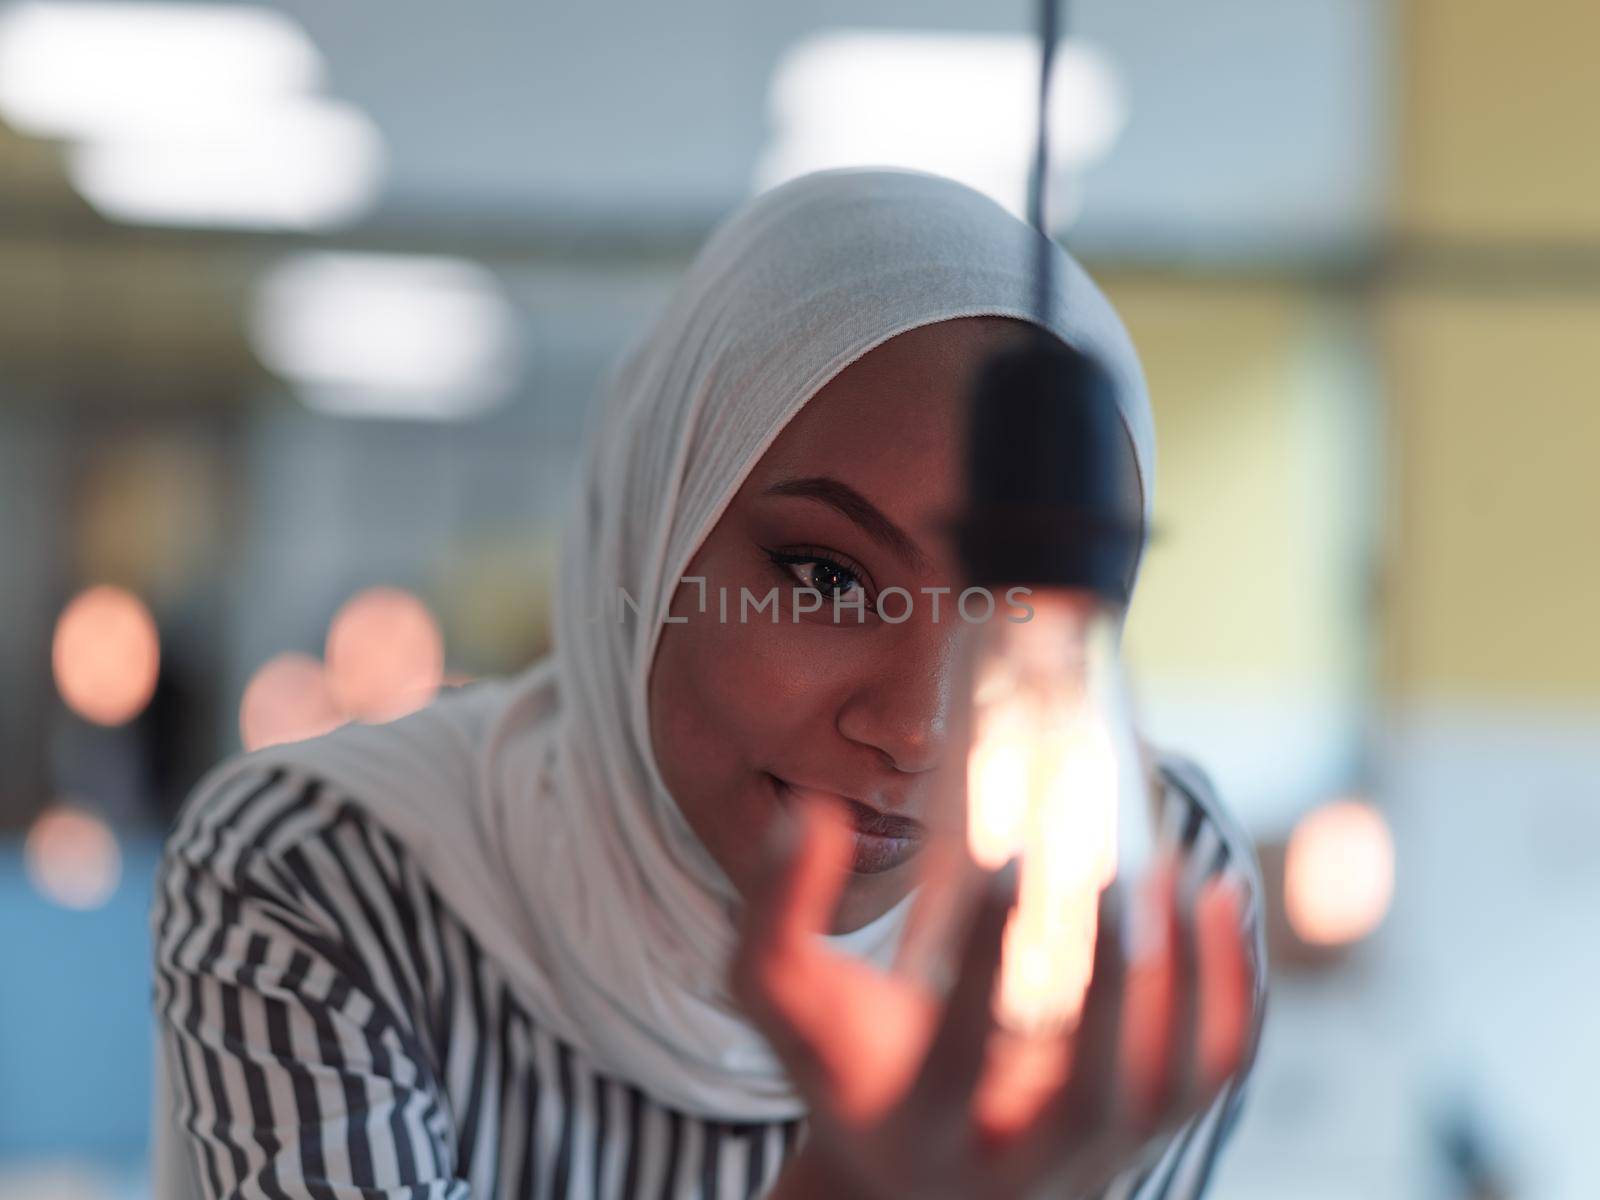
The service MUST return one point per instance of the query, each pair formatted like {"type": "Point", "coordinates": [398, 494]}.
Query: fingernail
{"type": "Point", "coordinates": [1004, 882]}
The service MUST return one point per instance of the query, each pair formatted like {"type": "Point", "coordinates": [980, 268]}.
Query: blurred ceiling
{"type": "Point", "coordinates": [525, 132]}
{"type": "Point", "coordinates": [1255, 124]}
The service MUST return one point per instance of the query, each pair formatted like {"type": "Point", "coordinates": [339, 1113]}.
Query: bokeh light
{"type": "Point", "coordinates": [1338, 874]}
{"type": "Point", "coordinates": [189, 114]}
{"type": "Point", "coordinates": [305, 165]}
{"type": "Point", "coordinates": [388, 335]}
{"type": "Point", "coordinates": [287, 700]}
{"type": "Point", "coordinates": [106, 655]}
{"type": "Point", "coordinates": [72, 857]}
{"type": "Point", "coordinates": [955, 103]}
{"type": "Point", "coordinates": [385, 655]}
{"type": "Point", "coordinates": [92, 70]}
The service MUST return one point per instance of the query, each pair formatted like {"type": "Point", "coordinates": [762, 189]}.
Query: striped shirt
{"type": "Point", "coordinates": [329, 1030]}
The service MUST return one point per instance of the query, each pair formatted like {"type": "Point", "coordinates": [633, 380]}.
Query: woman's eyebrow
{"type": "Point", "coordinates": [845, 499]}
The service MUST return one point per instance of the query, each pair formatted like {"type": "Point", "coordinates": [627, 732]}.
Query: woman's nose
{"type": "Point", "coordinates": [901, 707]}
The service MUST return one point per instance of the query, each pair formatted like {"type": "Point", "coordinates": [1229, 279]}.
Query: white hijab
{"type": "Point", "coordinates": [535, 804]}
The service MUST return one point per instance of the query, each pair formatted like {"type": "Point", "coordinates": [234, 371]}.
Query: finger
{"type": "Point", "coordinates": [820, 864]}
{"type": "Point", "coordinates": [954, 1062]}
{"type": "Point", "coordinates": [926, 952]}
{"type": "Point", "coordinates": [1076, 1123]}
{"type": "Point", "coordinates": [1216, 1014]}
{"type": "Point", "coordinates": [775, 964]}
{"type": "Point", "coordinates": [794, 897]}
{"type": "Point", "coordinates": [1179, 1083]}
{"type": "Point", "coordinates": [773, 970]}
{"type": "Point", "coordinates": [1086, 1100]}
{"type": "Point", "coordinates": [764, 900]}
{"type": "Point", "coordinates": [1147, 1031]}
{"type": "Point", "coordinates": [1209, 1020]}
{"type": "Point", "coordinates": [1226, 983]}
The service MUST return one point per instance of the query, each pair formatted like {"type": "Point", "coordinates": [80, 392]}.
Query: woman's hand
{"type": "Point", "coordinates": [911, 1095]}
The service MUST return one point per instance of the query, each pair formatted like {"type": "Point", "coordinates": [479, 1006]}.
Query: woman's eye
{"type": "Point", "coordinates": [818, 573]}
{"type": "Point", "coordinates": [829, 578]}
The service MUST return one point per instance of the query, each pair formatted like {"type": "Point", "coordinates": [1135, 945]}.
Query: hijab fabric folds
{"type": "Point", "coordinates": [535, 803]}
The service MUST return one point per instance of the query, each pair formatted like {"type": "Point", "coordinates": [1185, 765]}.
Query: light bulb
{"type": "Point", "coordinates": [1054, 774]}
{"type": "Point", "coordinates": [1054, 779]}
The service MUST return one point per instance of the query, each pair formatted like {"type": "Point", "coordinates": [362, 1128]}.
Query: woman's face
{"type": "Point", "coordinates": [746, 712]}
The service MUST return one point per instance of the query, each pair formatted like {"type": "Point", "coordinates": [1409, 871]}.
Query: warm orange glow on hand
{"type": "Point", "coordinates": [919, 1091]}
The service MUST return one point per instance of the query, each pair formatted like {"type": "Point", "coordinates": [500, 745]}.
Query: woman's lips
{"type": "Point", "coordinates": [881, 840]}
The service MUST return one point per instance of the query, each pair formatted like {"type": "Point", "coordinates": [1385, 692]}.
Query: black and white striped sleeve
{"type": "Point", "coordinates": [330, 1032]}
{"type": "Point", "coordinates": [286, 1005]}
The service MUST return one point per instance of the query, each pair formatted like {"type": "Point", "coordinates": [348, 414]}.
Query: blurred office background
{"type": "Point", "coordinates": [302, 306]}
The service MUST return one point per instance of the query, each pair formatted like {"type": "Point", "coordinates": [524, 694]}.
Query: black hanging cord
{"type": "Point", "coordinates": [1050, 465]}
{"type": "Point", "coordinates": [1038, 184]}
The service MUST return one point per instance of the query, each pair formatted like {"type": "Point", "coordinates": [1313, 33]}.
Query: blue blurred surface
{"type": "Point", "coordinates": [75, 1029]}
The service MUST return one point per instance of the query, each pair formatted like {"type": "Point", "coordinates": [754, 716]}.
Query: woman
{"type": "Point", "coordinates": [558, 935]}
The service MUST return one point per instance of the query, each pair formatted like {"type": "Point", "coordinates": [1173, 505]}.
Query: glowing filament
{"type": "Point", "coordinates": [1043, 785]}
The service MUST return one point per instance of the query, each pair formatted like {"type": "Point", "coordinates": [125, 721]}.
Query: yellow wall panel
{"type": "Point", "coordinates": [1249, 579]}
{"type": "Point", "coordinates": [1494, 572]}
{"type": "Point", "coordinates": [1499, 106]}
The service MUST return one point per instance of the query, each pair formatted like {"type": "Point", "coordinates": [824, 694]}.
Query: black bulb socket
{"type": "Point", "coordinates": [1054, 498]}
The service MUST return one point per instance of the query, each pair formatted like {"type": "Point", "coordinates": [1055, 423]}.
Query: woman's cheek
{"type": "Point", "coordinates": [805, 664]}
